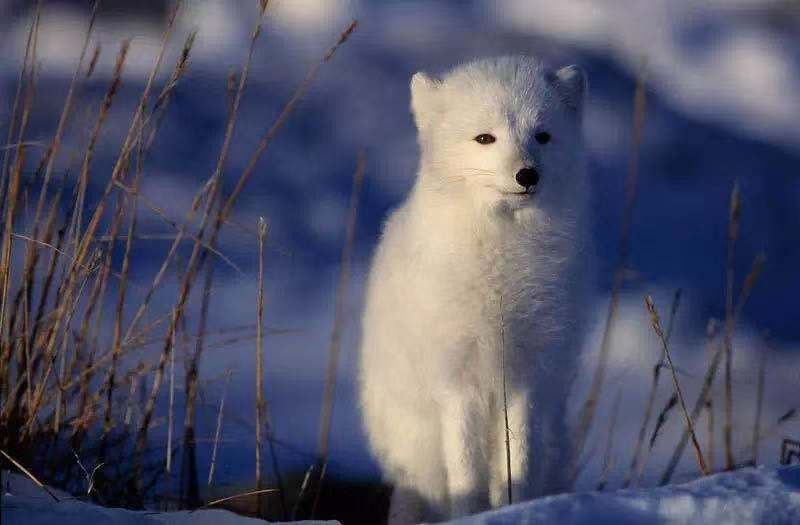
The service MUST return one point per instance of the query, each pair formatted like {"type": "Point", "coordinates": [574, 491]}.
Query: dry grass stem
{"type": "Point", "coordinates": [62, 121]}
{"type": "Point", "coordinates": [587, 412]}
{"type": "Point", "coordinates": [193, 266]}
{"type": "Point", "coordinates": [235, 496]}
{"type": "Point", "coordinates": [733, 233]}
{"type": "Point", "coordinates": [506, 428]}
{"type": "Point", "coordinates": [30, 476]}
{"type": "Point", "coordinates": [704, 399]}
{"type": "Point", "coordinates": [711, 332]}
{"type": "Point", "coordinates": [94, 137]}
{"type": "Point", "coordinates": [654, 319]}
{"type": "Point", "coordinates": [93, 61]}
{"type": "Point", "coordinates": [326, 414]}
{"type": "Point", "coordinates": [608, 458]}
{"type": "Point", "coordinates": [12, 126]}
{"type": "Point", "coordinates": [762, 375]}
{"type": "Point", "coordinates": [260, 407]}
{"type": "Point", "coordinates": [171, 407]}
{"type": "Point", "coordinates": [218, 431]}
{"type": "Point", "coordinates": [634, 474]}
{"type": "Point", "coordinates": [180, 228]}
{"type": "Point", "coordinates": [11, 196]}
{"type": "Point", "coordinates": [281, 120]}
{"type": "Point", "coordinates": [66, 295]}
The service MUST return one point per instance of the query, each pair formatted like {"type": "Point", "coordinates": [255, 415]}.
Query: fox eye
{"type": "Point", "coordinates": [542, 137]}
{"type": "Point", "coordinates": [485, 138]}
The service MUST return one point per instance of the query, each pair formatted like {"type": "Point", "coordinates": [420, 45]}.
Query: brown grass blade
{"type": "Point", "coordinates": [733, 233]}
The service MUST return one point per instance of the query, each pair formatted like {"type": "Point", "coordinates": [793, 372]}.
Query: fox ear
{"type": "Point", "coordinates": [423, 98]}
{"type": "Point", "coordinates": [572, 86]}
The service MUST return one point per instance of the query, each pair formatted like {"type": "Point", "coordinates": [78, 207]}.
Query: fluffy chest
{"type": "Point", "coordinates": [479, 280]}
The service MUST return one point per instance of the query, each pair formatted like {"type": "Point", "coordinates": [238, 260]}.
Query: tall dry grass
{"type": "Point", "coordinates": [68, 388]}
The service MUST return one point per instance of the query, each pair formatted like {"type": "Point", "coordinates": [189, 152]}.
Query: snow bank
{"type": "Point", "coordinates": [23, 502]}
{"type": "Point", "coordinates": [748, 496]}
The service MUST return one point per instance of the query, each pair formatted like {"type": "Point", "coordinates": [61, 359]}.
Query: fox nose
{"type": "Point", "coordinates": [527, 177]}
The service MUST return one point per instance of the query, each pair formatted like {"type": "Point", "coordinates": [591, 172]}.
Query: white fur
{"type": "Point", "coordinates": [468, 275]}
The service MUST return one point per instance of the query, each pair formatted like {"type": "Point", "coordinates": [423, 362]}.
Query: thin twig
{"type": "Point", "coordinates": [326, 415]}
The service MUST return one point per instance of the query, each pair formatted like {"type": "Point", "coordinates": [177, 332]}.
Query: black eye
{"type": "Point", "coordinates": [542, 137]}
{"type": "Point", "coordinates": [485, 138]}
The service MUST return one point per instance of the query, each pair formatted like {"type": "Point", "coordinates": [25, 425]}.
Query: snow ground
{"type": "Point", "coordinates": [749, 496]}
{"type": "Point", "coordinates": [24, 502]}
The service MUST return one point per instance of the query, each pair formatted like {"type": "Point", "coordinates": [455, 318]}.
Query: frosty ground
{"type": "Point", "coordinates": [748, 496]}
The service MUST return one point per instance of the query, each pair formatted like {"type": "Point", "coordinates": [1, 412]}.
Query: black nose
{"type": "Point", "coordinates": [527, 177]}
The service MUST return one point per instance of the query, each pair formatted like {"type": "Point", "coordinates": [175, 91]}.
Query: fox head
{"type": "Point", "coordinates": [505, 133]}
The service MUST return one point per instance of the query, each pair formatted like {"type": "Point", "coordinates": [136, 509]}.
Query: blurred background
{"type": "Point", "coordinates": [723, 105]}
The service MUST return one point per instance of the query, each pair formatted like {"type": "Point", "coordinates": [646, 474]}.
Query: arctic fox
{"type": "Point", "coordinates": [472, 309]}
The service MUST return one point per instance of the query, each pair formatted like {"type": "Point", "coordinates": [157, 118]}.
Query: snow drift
{"type": "Point", "coordinates": [749, 496]}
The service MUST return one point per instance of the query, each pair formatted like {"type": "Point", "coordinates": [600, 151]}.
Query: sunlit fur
{"type": "Point", "coordinates": [467, 274]}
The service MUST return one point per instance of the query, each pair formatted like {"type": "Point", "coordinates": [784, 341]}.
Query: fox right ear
{"type": "Point", "coordinates": [423, 94]}
{"type": "Point", "coordinates": [572, 86]}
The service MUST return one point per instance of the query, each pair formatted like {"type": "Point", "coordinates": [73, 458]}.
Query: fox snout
{"type": "Point", "coordinates": [527, 178]}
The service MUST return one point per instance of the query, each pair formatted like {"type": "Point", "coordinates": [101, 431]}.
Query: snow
{"type": "Point", "coordinates": [748, 496]}
{"type": "Point", "coordinates": [24, 502]}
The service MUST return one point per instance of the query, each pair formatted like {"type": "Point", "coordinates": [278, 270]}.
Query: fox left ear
{"type": "Point", "coordinates": [572, 86]}
{"type": "Point", "coordinates": [423, 98]}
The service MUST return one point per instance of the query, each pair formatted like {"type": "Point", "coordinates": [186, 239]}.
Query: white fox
{"type": "Point", "coordinates": [473, 307]}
